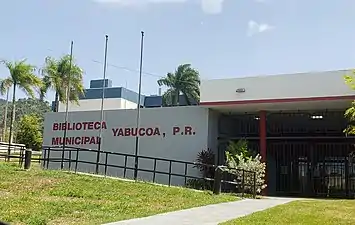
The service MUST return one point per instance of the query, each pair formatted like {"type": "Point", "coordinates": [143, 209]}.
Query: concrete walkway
{"type": "Point", "coordinates": [208, 215]}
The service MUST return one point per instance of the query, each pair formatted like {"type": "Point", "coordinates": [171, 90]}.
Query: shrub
{"type": "Point", "coordinates": [199, 184]}
{"type": "Point", "coordinates": [241, 159]}
{"type": "Point", "coordinates": [29, 132]}
{"type": "Point", "coordinates": [206, 157]}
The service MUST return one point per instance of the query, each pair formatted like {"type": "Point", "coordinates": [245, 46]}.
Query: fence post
{"type": "Point", "coordinates": [22, 155]}
{"type": "Point", "coordinates": [254, 190]}
{"type": "Point", "coordinates": [217, 181]}
{"type": "Point", "coordinates": [28, 157]}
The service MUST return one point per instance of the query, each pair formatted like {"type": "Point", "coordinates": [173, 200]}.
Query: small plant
{"type": "Point", "coordinates": [199, 184]}
{"type": "Point", "coordinates": [240, 148]}
{"type": "Point", "coordinates": [239, 158]}
{"type": "Point", "coordinates": [206, 157]}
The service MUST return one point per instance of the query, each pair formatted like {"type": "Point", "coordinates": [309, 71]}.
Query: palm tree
{"type": "Point", "coordinates": [185, 80]}
{"type": "Point", "coordinates": [6, 110]}
{"type": "Point", "coordinates": [57, 74]}
{"type": "Point", "coordinates": [21, 76]}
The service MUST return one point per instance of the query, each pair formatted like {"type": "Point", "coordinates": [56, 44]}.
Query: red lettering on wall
{"type": "Point", "coordinates": [127, 132]}
{"type": "Point", "coordinates": [141, 132]}
{"type": "Point", "coordinates": [176, 130]}
{"type": "Point", "coordinates": [188, 130]}
{"type": "Point", "coordinates": [55, 126]}
{"type": "Point", "coordinates": [56, 141]}
{"type": "Point", "coordinates": [133, 132]}
{"type": "Point", "coordinates": [77, 140]}
{"type": "Point", "coordinates": [149, 131]}
{"type": "Point", "coordinates": [79, 126]}
{"type": "Point", "coordinates": [156, 131]}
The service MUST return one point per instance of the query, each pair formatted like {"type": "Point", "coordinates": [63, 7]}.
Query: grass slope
{"type": "Point", "coordinates": [53, 197]}
{"type": "Point", "coordinates": [311, 212]}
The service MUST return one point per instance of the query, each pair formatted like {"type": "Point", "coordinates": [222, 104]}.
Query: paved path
{"type": "Point", "coordinates": [208, 215]}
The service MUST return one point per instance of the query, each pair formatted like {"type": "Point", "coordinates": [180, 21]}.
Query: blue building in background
{"type": "Point", "coordinates": [115, 98]}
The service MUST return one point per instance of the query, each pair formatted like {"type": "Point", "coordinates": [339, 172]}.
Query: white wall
{"type": "Point", "coordinates": [95, 104]}
{"type": "Point", "coordinates": [302, 85]}
{"type": "Point", "coordinates": [166, 145]}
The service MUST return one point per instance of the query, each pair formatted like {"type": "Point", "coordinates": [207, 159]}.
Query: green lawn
{"type": "Point", "coordinates": [311, 212]}
{"type": "Point", "coordinates": [54, 197]}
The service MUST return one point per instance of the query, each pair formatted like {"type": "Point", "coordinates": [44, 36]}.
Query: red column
{"type": "Point", "coordinates": [262, 136]}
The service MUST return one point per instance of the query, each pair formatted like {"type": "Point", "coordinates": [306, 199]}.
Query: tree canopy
{"type": "Point", "coordinates": [186, 81]}
{"type": "Point", "coordinates": [350, 112]}
{"type": "Point", "coordinates": [60, 74]}
{"type": "Point", "coordinates": [30, 132]}
{"type": "Point", "coordinates": [21, 75]}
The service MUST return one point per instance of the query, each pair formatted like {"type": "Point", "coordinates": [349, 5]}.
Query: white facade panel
{"type": "Point", "coordinates": [125, 104]}
{"type": "Point", "coordinates": [287, 86]}
{"type": "Point", "coordinates": [177, 133]}
{"type": "Point", "coordinates": [95, 104]}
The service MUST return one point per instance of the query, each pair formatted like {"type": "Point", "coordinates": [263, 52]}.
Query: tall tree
{"type": "Point", "coordinates": [186, 81]}
{"type": "Point", "coordinates": [350, 112]}
{"type": "Point", "coordinates": [29, 132]}
{"type": "Point", "coordinates": [22, 76]}
{"type": "Point", "coordinates": [57, 74]}
{"type": "Point", "coordinates": [2, 92]}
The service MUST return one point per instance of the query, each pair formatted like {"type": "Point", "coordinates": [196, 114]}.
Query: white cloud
{"type": "Point", "coordinates": [208, 6]}
{"type": "Point", "coordinates": [255, 28]}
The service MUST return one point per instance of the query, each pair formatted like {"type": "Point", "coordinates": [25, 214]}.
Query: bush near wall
{"type": "Point", "coordinates": [239, 158]}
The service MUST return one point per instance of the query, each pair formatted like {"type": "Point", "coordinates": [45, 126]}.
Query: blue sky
{"type": "Point", "coordinates": [221, 38]}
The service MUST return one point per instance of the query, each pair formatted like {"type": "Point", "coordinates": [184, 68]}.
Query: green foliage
{"type": "Point", "coordinates": [29, 132]}
{"type": "Point", "coordinates": [21, 76]}
{"type": "Point", "coordinates": [185, 80]}
{"type": "Point", "coordinates": [350, 112]}
{"type": "Point", "coordinates": [199, 184]}
{"type": "Point", "coordinates": [25, 107]}
{"type": "Point", "coordinates": [58, 75]}
{"type": "Point", "coordinates": [303, 212]}
{"type": "Point", "coordinates": [239, 158]}
{"type": "Point", "coordinates": [252, 164]}
{"type": "Point", "coordinates": [54, 197]}
{"type": "Point", "coordinates": [205, 157]}
{"type": "Point", "coordinates": [238, 149]}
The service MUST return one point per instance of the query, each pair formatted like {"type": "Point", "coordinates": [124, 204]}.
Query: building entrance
{"type": "Point", "coordinates": [307, 153]}
{"type": "Point", "coordinates": [311, 168]}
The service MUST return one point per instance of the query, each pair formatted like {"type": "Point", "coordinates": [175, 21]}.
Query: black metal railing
{"type": "Point", "coordinates": [8, 152]}
{"type": "Point", "coordinates": [16, 153]}
{"type": "Point", "coordinates": [70, 158]}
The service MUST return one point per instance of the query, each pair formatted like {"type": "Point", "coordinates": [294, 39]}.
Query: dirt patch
{"type": "Point", "coordinates": [67, 221]}
{"type": "Point", "coordinates": [60, 199]}
{"type": "Point", "coordinates": [40, 184]}
{"type": "Point", "coordinates": [5, 194]}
